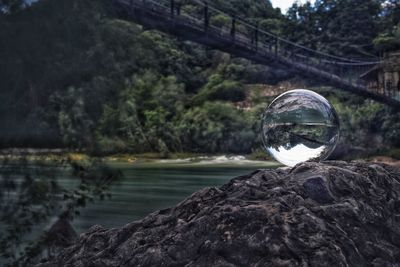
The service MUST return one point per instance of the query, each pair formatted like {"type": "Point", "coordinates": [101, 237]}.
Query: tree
{"type": "Point", "coordinates": [144, 116]}
{"type": "Point", "coordinates": [329, 25]}
{"type": "Point", "coordinates": [389, 37]}
{"type": "Point", "coordinates": [74, 123]}
{"type": "Point", "coordinates": [11, 6]}
{"type": "Point", "coordinates": [217, 126]}
{"type": "Point", "coordinates": [219, 88]}
{"type": "Point", "coordinates": [37, 198]}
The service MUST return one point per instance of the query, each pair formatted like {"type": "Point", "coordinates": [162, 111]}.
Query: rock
{"type": "Point", "coordinates": [317, 190]}
{"type": "Point", "coordinates": [345, 151]}
{"type": "Point", "coordinates": [315, 214]}
{"type": "Point", "coordinates": [61, 234]}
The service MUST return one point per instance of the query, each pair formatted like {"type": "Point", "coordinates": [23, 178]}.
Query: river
{"type": "Point", "coordinates": [145, 187]}
{"type": "Point", "coordinates": [148, 187]}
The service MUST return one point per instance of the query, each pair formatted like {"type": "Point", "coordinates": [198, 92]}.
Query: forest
{"type": "Point", "coordinates": [75, 76]}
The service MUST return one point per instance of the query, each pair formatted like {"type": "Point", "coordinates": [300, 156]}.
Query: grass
{"type": "Point", "coordinates": [393, 153]}
{"type": "Point", "coordinates": [259, 154]}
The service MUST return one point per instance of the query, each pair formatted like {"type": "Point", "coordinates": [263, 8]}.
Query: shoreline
{"type": "Point", "coordinates": [55, 155]}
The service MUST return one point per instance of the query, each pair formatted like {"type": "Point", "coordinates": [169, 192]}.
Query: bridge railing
{"type": "Point", "coordinates": [215, 23]}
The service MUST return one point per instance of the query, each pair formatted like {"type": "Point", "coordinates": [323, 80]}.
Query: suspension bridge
{"type": "Point", "coordinates": [193, 20]}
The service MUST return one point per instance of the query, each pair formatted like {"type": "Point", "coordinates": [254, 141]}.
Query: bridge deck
{"type": "Point", "coordinates": [164, 16]}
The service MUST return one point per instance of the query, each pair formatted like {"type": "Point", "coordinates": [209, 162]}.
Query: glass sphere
{"type": "Point", "coordinates": [298, 126]}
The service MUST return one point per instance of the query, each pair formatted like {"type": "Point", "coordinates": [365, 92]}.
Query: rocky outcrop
{"type": "Point", "coordinates": [315, 214]}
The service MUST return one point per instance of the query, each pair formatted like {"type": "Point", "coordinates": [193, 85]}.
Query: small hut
{"type": "Point", "coordinates": [385, 77]}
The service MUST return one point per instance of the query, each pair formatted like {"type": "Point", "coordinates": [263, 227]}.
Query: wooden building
{"type": "Point", "coordinates": [385, 77]}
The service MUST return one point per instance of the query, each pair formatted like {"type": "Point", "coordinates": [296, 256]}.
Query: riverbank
{"type": "Point", "coordinates": [49, 156]}
{"type": "Point", "coordinates": [56, 155]}
{"type": "Point", "coordinates": [387, 160]}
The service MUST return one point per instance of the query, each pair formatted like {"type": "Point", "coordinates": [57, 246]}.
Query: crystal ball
{"type": "Point", "coordinates": [300, 125]}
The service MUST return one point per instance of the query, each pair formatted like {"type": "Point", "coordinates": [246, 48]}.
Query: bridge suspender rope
{"type": "Point", "coordinates": [206, 18]}
{"type": "Point", "coordinates": [191, 20]}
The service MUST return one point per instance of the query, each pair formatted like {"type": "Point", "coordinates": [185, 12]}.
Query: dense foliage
{"type": "Point", "coordinates": [74, 75]}
{"type": "Point", "coordinates": [38, 198]}
{"type": "Point", "coordinates": [344, 27]}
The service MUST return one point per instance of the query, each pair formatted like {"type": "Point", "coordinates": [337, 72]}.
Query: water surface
{"type": "Point", "coordinates": [145, 187]}
{"type": "Point", "coordinates": [148, 187]}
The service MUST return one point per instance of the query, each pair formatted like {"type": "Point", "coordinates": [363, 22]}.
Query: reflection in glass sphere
{"type": "Point", "coordinates": [300, 125]}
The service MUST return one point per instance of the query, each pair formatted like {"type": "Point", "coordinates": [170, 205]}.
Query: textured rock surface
{"type": "Point", "coordinates": [316, 214]}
